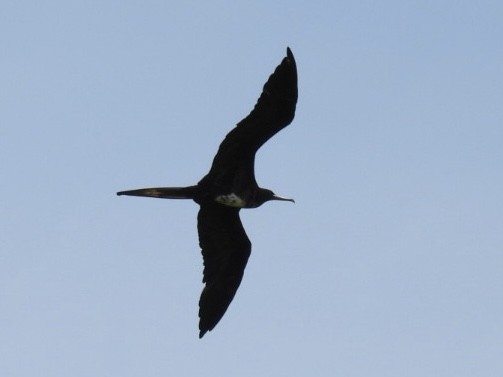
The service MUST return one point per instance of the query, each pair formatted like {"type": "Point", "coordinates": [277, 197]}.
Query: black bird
{"type": "Point", "coordinates": [229, 186]}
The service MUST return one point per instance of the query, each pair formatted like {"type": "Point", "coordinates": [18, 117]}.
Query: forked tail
{"type": "Point", "coordinates": [163, 192]}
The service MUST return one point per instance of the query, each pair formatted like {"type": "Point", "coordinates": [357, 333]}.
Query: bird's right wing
{"type": "Point", "coordinates": [225, 248]}
{"type": "Point", "coordinates": [274, 110]}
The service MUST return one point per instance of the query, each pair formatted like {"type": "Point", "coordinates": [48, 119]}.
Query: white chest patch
{"type": "Point", "coordinates": [231, 200]}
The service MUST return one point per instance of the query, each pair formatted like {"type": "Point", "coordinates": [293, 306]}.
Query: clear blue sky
{"type": "Point", "coordinates": [389, 264]}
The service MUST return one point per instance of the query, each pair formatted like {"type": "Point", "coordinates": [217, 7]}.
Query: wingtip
{"type": "Point", "coordinates": [289, 56]}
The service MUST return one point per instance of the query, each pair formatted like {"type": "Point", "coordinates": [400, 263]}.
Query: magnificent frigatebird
{"type": "Point", "coordinates": [229, 186]}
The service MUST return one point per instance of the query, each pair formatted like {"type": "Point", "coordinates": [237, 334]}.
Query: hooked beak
{"type": "Point", "coordinates": [277, 197]}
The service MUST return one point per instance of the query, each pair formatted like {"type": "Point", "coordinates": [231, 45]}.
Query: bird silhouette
{"type": "Point", "coordinates": [229, 186]}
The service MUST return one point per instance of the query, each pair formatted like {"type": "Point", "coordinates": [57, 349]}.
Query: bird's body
{"type": "Point", "coordinates": [229, 186]}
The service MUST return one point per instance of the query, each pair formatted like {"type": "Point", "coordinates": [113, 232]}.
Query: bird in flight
{"type": "Point", "coordinates": [229, 186]}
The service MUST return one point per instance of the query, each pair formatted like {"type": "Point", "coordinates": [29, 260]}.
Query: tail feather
{"type": "Point", "coordinates": [163, 192]}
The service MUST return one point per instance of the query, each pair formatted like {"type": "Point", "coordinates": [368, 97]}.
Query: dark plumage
{"type": "Point", "coordinates": [229, 186]}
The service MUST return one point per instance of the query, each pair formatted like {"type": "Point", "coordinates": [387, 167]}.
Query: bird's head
{"type": "Point", "coordinates": [264, 195]}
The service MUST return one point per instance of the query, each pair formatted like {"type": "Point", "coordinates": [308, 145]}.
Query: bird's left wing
{"type": "Point", "coordinates": [225, 248]}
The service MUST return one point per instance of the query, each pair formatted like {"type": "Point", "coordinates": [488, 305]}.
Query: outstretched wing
{"type": "Point", "coordinates": [226, 248]}
{"type": "Point", "coordinates": [275, 109]}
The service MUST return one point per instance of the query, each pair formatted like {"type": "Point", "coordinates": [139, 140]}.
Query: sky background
{"type": "Point", "coordinates": [389, 264]}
